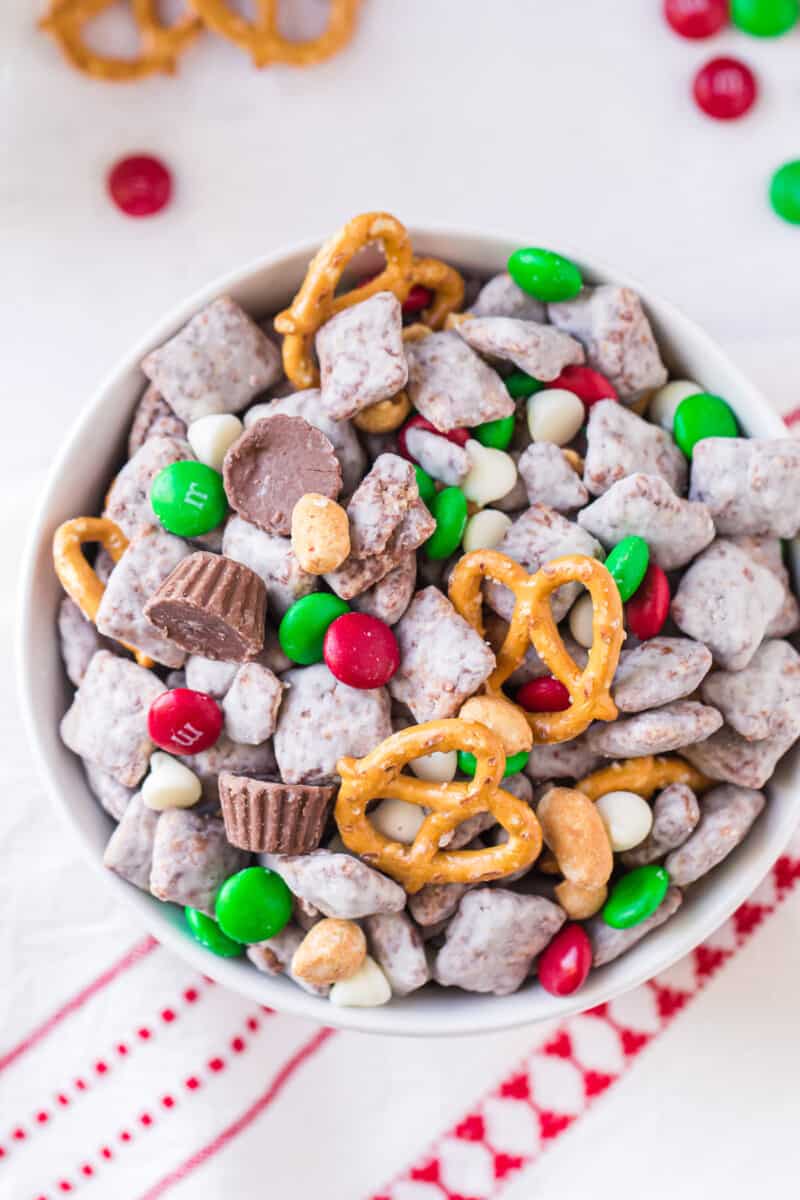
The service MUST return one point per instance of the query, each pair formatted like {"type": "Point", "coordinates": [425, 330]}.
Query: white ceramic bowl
{"type": "Point", "coordinates": [76, 487]}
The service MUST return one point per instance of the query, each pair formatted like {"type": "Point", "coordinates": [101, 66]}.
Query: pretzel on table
{"type": "Point", "coordinates": [532, 621]}
{"type": "Point", "coordinates": [644, 776]}
{"type": "Point", "coordinates": [378, 776]}
{"type": "Point", "coordinates": [263, 39]}
{"type": "Point", "coordinates": [78, 579]}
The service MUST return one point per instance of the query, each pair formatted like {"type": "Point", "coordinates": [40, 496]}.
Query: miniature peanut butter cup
{"type": "Point", "coordinates": [277, 818]}
{"type": "Point", "coordinates": [213, 606]}
{"type": "Point", "coordinates": [274, 463]}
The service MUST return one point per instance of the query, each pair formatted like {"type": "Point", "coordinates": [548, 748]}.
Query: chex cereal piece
{"type": "Point", "coordinates": [655, 732]}
{"type": "Point", "coordinates": [538, 350]}
{"type": "Point", "coordinates": [751, 485]}
{"type": "Point", "coordinates": [645, 505]}
{"type": "Point", "coordinates": [339, 885]}
{"type": "Point", "coordinates": [620, 443]}
{"type": "Point", "coordinates": [107, 722]}
{"type": "Point", "coordinates": [251, 704]}
{"type": "Point", "coordinates": [78, 638]}
{"type": "Point", "coordinates": [564, 760]}
{"type": "Point", "coordinates": [144, 566]}
{"type": "Point", "coordinates": [215, 364]}
{"type": "Point", "coordinates": [210, 676]}
{"type": "Point", "coordinates": [389, 598]}
{"type": "Point", "coordinates": [153, 417]}
{"type": "Point", "coordinates": [763, 700]}
{"type": "Point", "coordinates": [452, 386]}
{"type": "Point", "coordinates": [675, 814]}
{"type": "Point", "coordinates": [128, 500]}
{"type": "Point", "coordinates": [501, 297]}
{"type": "Point", "coordinates": [493, 939]}
{"type": "Point", "coordinates": [129, 851]}
{"type": "Point", "coordinates": [361, 356]}
{"type": "Point", "coordinates": [274, 957]}
{"type": "Point", "coordinates": [611, 323]}
{"type": "Point", "coordinates": [549, 479]}
{"type": "Point", "coordinates": [321, 719]}
{"type": "Point", "coordinates": [442, 659]}
{"type": "Point", "coordinates": [442, 459]}
{"type": "Point", "coordinates": [191, 858]}
{"type": "Point", "coordinates": [729, 757]}
{"type": "Point", "coordinates": [768, 552]}
{"type": "Point", "coordinates": [435, 903]}
{"type": "Point", "coordinates": [113, 796]}
{"type": "Point", "coordinates": [539, 535]}
{"type": "Point", "coordinates": [609, 943]}
{"type": "Point", "coordinates": [272, 558]}
{"type": "Point", "coordinates": [379, 504]}
{"type": "Point", "coordinates": [341, 434]}
{"type": "Point", "coordinates": [357, 574]}
{"type": "Point", "coordinates": [727, 601]}
{"type": "Point", "coordinates": [659, 671]}
{"type": "Point", "coordinates": [395, 944]}
{"type": "Point", "coordinates": [726, 814]}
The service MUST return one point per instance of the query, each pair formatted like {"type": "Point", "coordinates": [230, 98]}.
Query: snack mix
{"type": "Point", "coordinates": [434, 635]}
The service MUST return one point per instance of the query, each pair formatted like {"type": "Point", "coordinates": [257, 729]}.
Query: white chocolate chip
{"type": "Point", "coordinates": [398, 820]}
{"type": "Point", "coordinates": [627, 817]}
{"type": "Point", "coordinates": [666, 400]}
{"type": "Point", "coordinates": [368, 988]}
{"type": "Point", "coordinates": [211, 437]}
{"type": "Point", "coordinates": [492, 475]}
{"type": "Point", "coordinates": [485, 530]}
{"type": "Point", "coordinates": [439, 767]}
{"type": "Point", "coordinates": [581, 618]}
{"type": "Point", "coordinates": [170, 784]}
{"type": "Point", "coordinates": [555, 415]}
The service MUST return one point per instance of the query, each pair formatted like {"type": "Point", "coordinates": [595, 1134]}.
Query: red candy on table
{"type": "Point", "coordinates": [587, 384]}
{"type": "Point", "coordinates": [546, 694]}
{"type": "Point", "coordinates": [459, 436]}
{"type": "Point", "coordinates": [696, 18]}
{"type": "Point", "coordinates": [648, 607]}
{"type": "Point", "coordinates": [183, 721]}
{"type": "Point", "coordinates": [140, 185]}
{"type": "Point", "coordinates": [725, 88]}
{"type": "Point", "coordinates": [361, 650]}
{"type": "Point", "coordinates": [564, 964]}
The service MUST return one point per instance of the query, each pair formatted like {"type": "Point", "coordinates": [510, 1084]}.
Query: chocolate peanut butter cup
{"type": "Point", "coordinates": [277, 818]}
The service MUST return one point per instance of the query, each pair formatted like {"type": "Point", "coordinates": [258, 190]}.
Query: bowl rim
{"type": "Point", "coordinates": [490, 1014]}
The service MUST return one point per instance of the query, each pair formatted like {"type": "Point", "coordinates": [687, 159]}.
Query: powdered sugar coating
{"type": "Point", "coordinates": [144, 566]}
{"type": "Point", "coordinates": [726, 814]}
{"type": "Point", "coordinates": [659, 671]}
{"type": "Point", "coordinates": [539, 350]}
{"type": "Point", "coordinates": [397, 947]}
{"type": "Point", "coordinates": [645, 506]}
{"type": "Point", "coordinates": [251, 704]}
{"type": "Point", "coordinates": [361, 357]}
{"type": "Point", "coordinates": [750, 485]}
{"type": "Point", "coordinates": [339, 885]}
{"type": "Point", "coordinates": [658, 731]}
{"type": "Point", "coordinates": [620, 443]}
{"type": "Point", "coordinates": [192, 858]}
{"type": "Point", "coordinates": [549, 479]}
{"type": "Point", "coordinates": [452, 386]}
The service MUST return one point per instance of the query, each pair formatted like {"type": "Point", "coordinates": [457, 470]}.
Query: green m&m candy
{"type": "Point", "coordinates": [544, 274]}
{"type": "Point", "coordinates": [252, 905]}
{"type": "Point", "coordinates": [450, 510]}
{"type": "Point", "coordinates": [189, 498]}
{"type": "Point", "coordinates": [765, 18]}
{"type": "Point", "coordinates": [702, 416]}
{"type": "Point", "coordinates": [495, 434]}
{"type": "Point", "coordinates": [303, 627]}
{"type": "Point", "coordinates": [635, 897]}
{"type": "Point", "coordinates": [426, 486]}
{"type": "Point", "coordinates": [207, 932]}
{"type": "Point", "coordinates": [520, 386]}
{"type": "Point", "coordinates": [628, 563]}
{"type": "Point", "coordinates": [784, 192]}
{"type": "Point", "coordinates": [514, 763]}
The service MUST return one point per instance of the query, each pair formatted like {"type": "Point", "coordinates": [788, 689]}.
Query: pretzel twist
{"type": "Point", "coordinates": [532, 621]}
{"type": "Point", "coordinates": [645, 776]}
{"type": "Point", "coordinates": [78, 579]}
{"type": "Point", "coordinates": [378, 776]}
{"type": "Point", "coordinates": [263, 40]}
{"type": "Point", "coordinates": [160, 44]}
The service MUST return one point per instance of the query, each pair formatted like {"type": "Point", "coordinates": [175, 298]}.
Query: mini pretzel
{"type": "Point", "coordinates": [160, 44]}
{"type": "Point", "coordinates": [264, 41]}
{"type": "Point", "coordinates": [532, 621]}
{"type": "Point", "coordinates": [77, 578]}
{"type": "Point", "coordinates": [377, 776]}
{"type": "Point", "coordinates": [644, 776]}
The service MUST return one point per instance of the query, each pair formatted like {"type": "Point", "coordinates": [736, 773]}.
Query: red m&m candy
{"type": "Point", "coordinates": [140, 185]}
{"type": "Point", "coordinates": [696, 18]}
{"type": "Point", "coordinates": [648, 607]}
{"type": "Point", "coordinates": [183, 721]}
{"type": "Point", "coordinates": [417, 299]}
{"type": "Point", "coordinates": [564, 964]}
{"type": "Point", "coordinates": [361, 650]}
{"type": "Point", "coordinates": [725, 88]}
{"type": "Point", "coordinates": [547, 694]}
{"type": "Point", "coordinates": [587, 384]}
{"type": "Point", "coordinates": [459, 436]}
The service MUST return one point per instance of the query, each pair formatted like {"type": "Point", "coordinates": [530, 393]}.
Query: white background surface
{"type": "Point", "coordinates": [566, 121]}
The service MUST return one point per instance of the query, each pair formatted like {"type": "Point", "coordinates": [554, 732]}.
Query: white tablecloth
{"type": "Point", "coordinates": [122, 1073]}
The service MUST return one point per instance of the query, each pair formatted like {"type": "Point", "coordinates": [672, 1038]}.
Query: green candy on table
{"type": "Point", "coordinates": [189, 498]}
{"type": "Point", "coordinates": [514, 764]}
{"type": "Point", "coordinates": [784, 192]}
{"type": "Point", "coordinates": [495, 434]}
{"type": "Point", "coordinates": [635, 897]}
{"type": "Point", "coordinates": [450, 510]}
{"type": "Point", "coordinates": [519, 385]}
{"type": "Point", "coordinates": [303, 626]}
{"type": "Point", "coordinates": [765, 18]}
{"type": "Point", "coordinates": [426, 486]}
{"type": "Point", "coordinates": [544, 274]}
{"type": "Point", "coordinates": [628, 563]}
{"type": "Point", "coordinates": [253, 905]}
{"type": "Point", "coordinates": [207, 932]}
{"type": "Point", "coordinates": [702, 416]}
